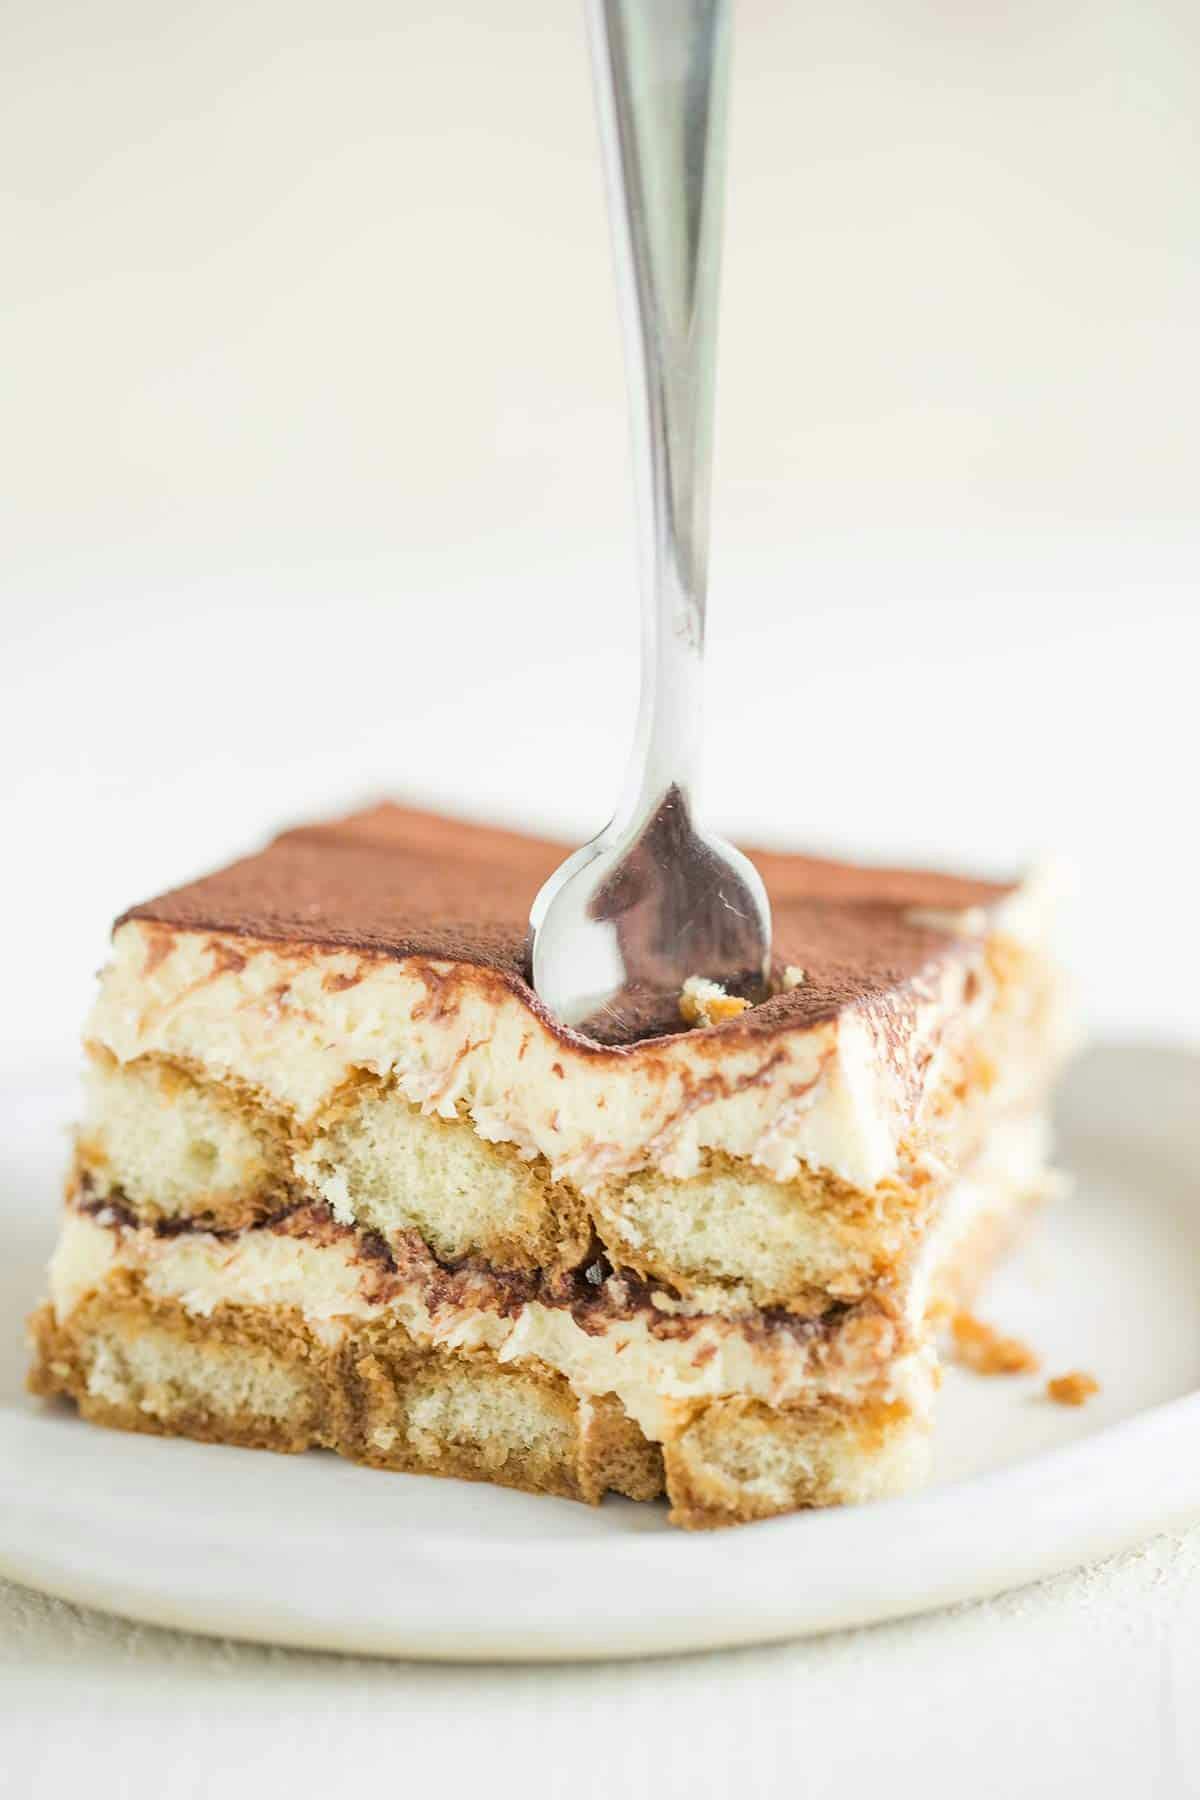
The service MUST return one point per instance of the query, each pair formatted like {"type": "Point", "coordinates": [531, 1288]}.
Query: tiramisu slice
{"type": "Point", "coordinates": [343, 1181]}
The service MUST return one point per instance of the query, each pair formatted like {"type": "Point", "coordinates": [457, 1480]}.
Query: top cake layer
{"type": "Point", "coordinates": [391, 945]}
{"type": "Point", "coordinates": [398, 883]}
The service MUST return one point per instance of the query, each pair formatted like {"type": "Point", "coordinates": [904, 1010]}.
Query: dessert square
{"type": "Point", "coordinates": [343, 1181]}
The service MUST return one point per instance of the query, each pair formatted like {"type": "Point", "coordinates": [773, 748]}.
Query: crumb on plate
{"type": "Point", "coordinates": [981, 1347]}
{"type": "Point", "coordinates": [1073, 1389]}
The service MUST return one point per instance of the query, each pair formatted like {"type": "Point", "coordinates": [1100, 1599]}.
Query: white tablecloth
{"type": "Point", "coordinates": [1085, 1684]}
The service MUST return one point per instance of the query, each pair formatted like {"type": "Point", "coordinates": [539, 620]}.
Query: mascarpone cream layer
{"type": "Point", "coordinates": [864, 1357]}
{"type": "Point", "coordinates": [294, 1025]}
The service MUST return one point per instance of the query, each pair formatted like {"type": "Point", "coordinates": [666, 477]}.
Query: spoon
{"type": "Point", "coordinates": [653, 901]}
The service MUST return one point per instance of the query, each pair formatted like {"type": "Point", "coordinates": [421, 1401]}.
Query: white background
{"type": "Point", "coordinates": [313, 486]}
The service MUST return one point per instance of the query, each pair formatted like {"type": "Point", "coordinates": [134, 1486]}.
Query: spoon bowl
{"type": "Point", "coordinates": [629, 919]}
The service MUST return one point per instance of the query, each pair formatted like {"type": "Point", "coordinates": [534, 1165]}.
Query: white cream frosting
{"type": "Point", "coordinates": [294, 1025]}
{"type": "Point", "coordinates": [647, 1373]}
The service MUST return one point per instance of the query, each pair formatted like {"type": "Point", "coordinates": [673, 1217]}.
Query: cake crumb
{"type": "Point", "coordinates": [1073, 1389]}
{"type": "Point", "coordinates": [706, 1003]}
{"type": "Point", "coordinates": [981, 1347]}
{"type": "Point", "coordinates": [792, 978]}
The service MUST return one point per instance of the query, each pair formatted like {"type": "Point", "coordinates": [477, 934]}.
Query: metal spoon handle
{"type": "Point", "coordinates": [661, 78]}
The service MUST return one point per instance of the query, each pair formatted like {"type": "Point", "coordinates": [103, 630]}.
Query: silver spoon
{"type": "Point", "coordinates": [652, 901]}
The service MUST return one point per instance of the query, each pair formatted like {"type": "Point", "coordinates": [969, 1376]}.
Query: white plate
{"type": "Point", "coordinates": [313, 1551]}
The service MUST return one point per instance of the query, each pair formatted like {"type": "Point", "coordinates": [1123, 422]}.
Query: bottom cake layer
{"type": "Point", "coordinates": [303, 1334]}
{"type": "Point", "coordinates": [260, 1377]}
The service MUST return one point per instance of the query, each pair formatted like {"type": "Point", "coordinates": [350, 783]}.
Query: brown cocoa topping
{"type": "Point", "coordinates": [394, 883]}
